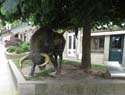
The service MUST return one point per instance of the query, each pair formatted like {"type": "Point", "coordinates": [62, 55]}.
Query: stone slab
{"type": "Point", "coordinates": [115, 69]}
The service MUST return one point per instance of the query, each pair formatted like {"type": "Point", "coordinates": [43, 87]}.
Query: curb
{"type": "Point", "coordinates": [7, 53]}
{"type": "Point", "coordinates": [18, 76]}
{"type": "Point", "coordinates": [115, 87]}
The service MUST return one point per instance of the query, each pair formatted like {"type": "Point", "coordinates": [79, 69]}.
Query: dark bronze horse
{"type": "Point", "coordinates": [46, 45]}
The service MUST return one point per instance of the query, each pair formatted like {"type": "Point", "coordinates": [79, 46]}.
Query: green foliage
{"type": "Point", "coordinates": [9, 6]}
{"type": "Point", "coordinates": [97, 67]}
{"type": "Point", "coordinates": [100, 68]}
{"type": "Point", "coordinates": [70, 62]}
{"type": "Point", "coordinates": [25, 46]}
{"type": "Point", "coordinates": [63, 14]}
{"type": "Point", "coordinates": [44, 73]}
{"type": "Point", "coordinates": [1, 25]}
{"type": "Point", "coordinates": [16, 59]}
{"type": "Point", "coordinates": [11, 48]}
{"type": "Point", "coordinates": [41, 12]}
{"type": "Point", "coordinates": [19, 50]}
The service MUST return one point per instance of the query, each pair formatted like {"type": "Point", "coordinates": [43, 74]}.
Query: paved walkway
{"type": "Point", "coordinates": [6, 82]}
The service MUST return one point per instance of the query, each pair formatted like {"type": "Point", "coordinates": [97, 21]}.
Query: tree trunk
{"type": "Point", "coordinates": [86, 44]}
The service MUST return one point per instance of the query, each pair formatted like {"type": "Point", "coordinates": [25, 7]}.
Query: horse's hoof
{"type": "Point", "coordinates": [60, 72]}
{"type": "Point", "coordinates": [31, 74]}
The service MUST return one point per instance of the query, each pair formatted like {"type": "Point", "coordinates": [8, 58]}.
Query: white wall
{"type": "Point", "coordinates": [6, 36]}
{"type": "Point", "coordinates": [123, 57]}
{"type": "Point", "coordinates": [106, 48]}
{"type": "Point", "coordinates": [97, 58]}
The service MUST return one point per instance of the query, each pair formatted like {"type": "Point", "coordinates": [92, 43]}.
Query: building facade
{"type": "Point", "coordinates": [105, 46]}
{"type": "Point", "coordinates": [24, 31]}
{"type": "Point", "coordinates": [5, 35]}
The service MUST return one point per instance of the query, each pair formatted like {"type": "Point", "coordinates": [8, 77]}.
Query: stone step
{"type": "Point", "coordinates": [114, 69]}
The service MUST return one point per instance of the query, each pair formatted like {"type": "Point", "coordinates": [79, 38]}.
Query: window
{"type": "Point", "coordinates": [101, 43]}
{"type": "Point", "coordinates": [70, 40]}
{"type": "Point", "coordinates": [74, 42]}
{"type": "Point", "coordinates": [116, 43]}
{"type": "Point", "coordinates": [21, 36]}
{"type": "Point", "coordinates": [97, 43]}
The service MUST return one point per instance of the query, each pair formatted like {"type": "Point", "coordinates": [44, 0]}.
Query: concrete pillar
{"type": "Point", "coordinates": [28, 36]}
{"type": "Point", "coordinates": [19, 36]}
{"type": "Point", "coordinates": [65, 49]}
{"type": "Point", "coordinates": [106, 47]}
{"type": "Point", "coordinates": [22, 36]}
{"type": "Point", "coordinates": [123, 57]}
{"type": "Point", "coordinates": [78, 46]}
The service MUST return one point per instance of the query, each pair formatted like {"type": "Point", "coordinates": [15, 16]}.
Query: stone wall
{"type": "Point", "coordinates": [83, 88]}
{"type": "Point", "coordinates": [66, 87]}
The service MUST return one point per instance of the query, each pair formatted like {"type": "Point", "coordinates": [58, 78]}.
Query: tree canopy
{"type": "Point", "coordinates": [40, 12]}
{"type": "Point", "coordinates": [62, 14]}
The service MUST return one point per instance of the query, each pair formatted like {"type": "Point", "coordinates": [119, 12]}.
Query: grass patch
{"type": "Point", "coordinates": [46, 73]}
{"type": "Point", "coordinates": [43, 73]}
{"type": "Point", "coordinates": [97, 67]}
{"type": "Point", "coordinates": [17, 58]}
{"type": "Point", "coordinates": [70, 62]}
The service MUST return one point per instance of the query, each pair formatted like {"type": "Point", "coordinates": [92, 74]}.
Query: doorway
{"type": "Point", "coordinates": [71, 44]}
{"type": "Point", "coordinates": [116, 48]}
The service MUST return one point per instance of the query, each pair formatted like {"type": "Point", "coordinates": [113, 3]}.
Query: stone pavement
{"type": "Point", "coordinates": [7, 86]}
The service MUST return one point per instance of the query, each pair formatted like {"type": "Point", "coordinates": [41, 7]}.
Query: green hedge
{"type": "Point", "coordinates": [24, 47]}
{"type": "Point", "coordinates": [11, 49]}
{"type": "Point", "coordinates": [19, 50]}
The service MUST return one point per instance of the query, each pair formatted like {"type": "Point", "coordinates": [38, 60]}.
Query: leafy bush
{"type": "Point", "coordinates": [11, 48]}
{"type": "Point", "coordinates": [19, 50]}
{"type": "Point", "coordinates": [25, 46]}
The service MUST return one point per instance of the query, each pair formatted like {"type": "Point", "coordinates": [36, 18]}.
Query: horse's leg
{"type": "Point", "coordinates": [32, 70]}
{"type": "Point", "coordinates": [60, 60]}
{"type": "Point", "coordinates": [54, 62]}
